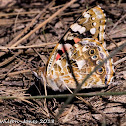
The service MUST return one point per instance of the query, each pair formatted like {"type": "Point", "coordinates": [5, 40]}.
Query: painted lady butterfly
{"type": "Point", "coordinates": [84, 43]}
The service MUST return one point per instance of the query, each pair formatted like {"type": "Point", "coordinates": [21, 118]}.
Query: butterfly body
{"type": "Point", "coordinates": [85, 46]}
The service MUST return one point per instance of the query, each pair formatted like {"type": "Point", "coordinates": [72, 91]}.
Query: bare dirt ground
{"type": "Point", "coordinates": [21, 25]}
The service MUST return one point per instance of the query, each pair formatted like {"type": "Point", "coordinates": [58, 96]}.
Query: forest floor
{"type": "Point", "coordinates": [26, 43]}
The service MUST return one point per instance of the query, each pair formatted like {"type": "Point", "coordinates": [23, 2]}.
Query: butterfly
{"type": "Point", "coordinates": [86, 48]}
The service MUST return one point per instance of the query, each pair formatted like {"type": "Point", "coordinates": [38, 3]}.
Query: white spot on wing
{"type": "Point", "coordinates": [104, 44]}
{"type": "Point", "coordinates": [82, 30]}
{"type": "Point", "coordinates": [94, 23]}
{"type": "Point", "coordinates": [98, 13]}
{"type": "Point", "coordinates": [87, 15]}
{"type": "Point", "coordinates": [81, 63]}
{"type": "Point", "coordinates": [76, 45]}
{"type": "Point", "coordinates": [75, 27]}
{"type": "Point", "coordinates": [93, 18]}
{"type": "Point", "coordinates": [58, 62]}
{"type": "Point", "coordinates": [67, 46]}
{"type": "Point", "coordinates": [99, 84]}
{"type": "Point", "coordinates": [59, 46]}
{"type": "Point", "coordinates": [98, 6]}
{"type": "Point", "coordinates": [93, 30]}
{"type": "Point", "coordinates": [102, 27]}
{"type": "Point", "coordinates": [84, 49]}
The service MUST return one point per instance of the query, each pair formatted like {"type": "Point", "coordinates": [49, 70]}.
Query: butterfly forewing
{"type": "Point", "coordinates": [91, 24]}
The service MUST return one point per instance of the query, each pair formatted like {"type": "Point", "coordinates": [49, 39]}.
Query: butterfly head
{"type": "Point", "coordinates": [40, 74]}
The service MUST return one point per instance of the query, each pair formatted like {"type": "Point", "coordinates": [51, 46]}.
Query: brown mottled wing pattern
{"type": "Point", "coordinates": [84, 43]}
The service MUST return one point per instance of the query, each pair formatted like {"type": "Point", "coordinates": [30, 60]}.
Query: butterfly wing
{"type": "Point", "coordinates": [84, 43]}
{"type": "Point", "coordinates": [91, 24]}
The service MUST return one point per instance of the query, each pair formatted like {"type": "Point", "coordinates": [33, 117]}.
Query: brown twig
{"type": "Point", "coordinates": [18, 72]}
{"type": "Point", "coordinates": [67, 113]}
{"type": "Point", "coordinates": [27, 47]}
{"type": "Point", "coordinates": [6, 61]}
{"type": "Point", "coordinates": [119, 61]}
{"type": "Point", "coordinates": [116, 31]}
{"type": "Point", "coordinates": [21, 13]}
{"type": "Point", "coordinates": [111, 46]}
